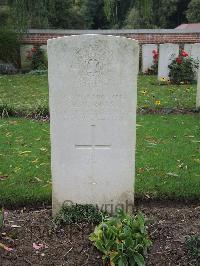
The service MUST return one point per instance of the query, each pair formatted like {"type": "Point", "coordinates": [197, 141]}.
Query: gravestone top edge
{"type": "Point", "coordinates": [168, 44]}
{"type": "Point", "coordinates": [114, 37]}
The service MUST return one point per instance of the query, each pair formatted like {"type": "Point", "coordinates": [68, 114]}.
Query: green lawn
{"type": "Point", "coordinates": [24, 162]}
{"type": "Point", "coordinates": [28, 91]}
{"type": "Point", "coordinates": [168, 156]}
{"type": "Point", "coordinates": [24, 90]}
{"type": "Point", "coordinates": [167, 159]}
{"type": "Point", "coordinates": [170, 96]}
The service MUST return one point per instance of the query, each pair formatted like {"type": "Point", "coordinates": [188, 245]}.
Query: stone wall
{"type": "Point", "coordinates": [143, 36]}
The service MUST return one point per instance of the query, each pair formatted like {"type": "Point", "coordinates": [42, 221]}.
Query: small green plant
{"type": "Point", "coordinates": [122, 239]}
{"type": "Point", "coordinates": [193, 246]}
{"type": "Point", "coordinates": [76, 213]}
{"type": "Point", "coordinates": [182, 69]}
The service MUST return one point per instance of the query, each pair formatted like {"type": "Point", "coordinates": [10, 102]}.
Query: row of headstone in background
{"type": "Point", "coordinates": [166, 50]}
{"type": "Point", "coordinates": [166, 53]}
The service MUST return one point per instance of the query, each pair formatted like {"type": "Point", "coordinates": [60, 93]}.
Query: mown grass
{"type": "Point", "coordinates": [168, 156]}
{"type": "Point", "coordinates": [167, 159]}
{"type": "Point", "coordinates": [170, 96]}
{"type": "Point", "coordinates": [27, 92]}
{"type": "Point", "coordinates": [24, 162]}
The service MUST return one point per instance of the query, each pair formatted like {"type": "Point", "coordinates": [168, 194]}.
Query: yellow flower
{"type": "Point", "coordinates": [163, 79]}
{"type": "Point", "coordinates": [157, 102]}
{"type": "Point", "coordinates": [144, 92]}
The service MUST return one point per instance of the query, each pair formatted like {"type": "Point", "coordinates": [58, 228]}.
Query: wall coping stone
{"type": "Point", "coordinates": [121, 31]}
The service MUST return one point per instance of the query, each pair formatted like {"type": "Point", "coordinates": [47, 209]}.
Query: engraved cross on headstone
{"type": "Point", "coordinates": [93, 146]}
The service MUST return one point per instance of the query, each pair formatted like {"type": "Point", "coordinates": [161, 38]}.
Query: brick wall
{"type": "Point", "coordinates": [143, 36]}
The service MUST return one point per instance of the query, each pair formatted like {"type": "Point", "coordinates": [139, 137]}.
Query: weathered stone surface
{"type": "Point", "coordinates": [147, 56]}
{"type": "Point", "coordinates": [167, 52]}
{"type": "Point", "coordinates": [194, 52]}
{"type": "Point", "coordinates": [93, 91]}
{"type": "Point", "coordinates": [188, 48]}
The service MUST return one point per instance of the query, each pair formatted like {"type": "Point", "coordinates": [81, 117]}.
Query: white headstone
{"type": "Point", "coordinates": [93, 91]}
{"type": "Point", "coordinates": [24, 50]}
{"type": "Point", "coordinates": [188, 48]}
{"type": "Point", "coordinates": [147, 56]}
{"type": "Point", "coordinates": [194, 52]}
{"type": "Point", "coordinates": [198, 91]}
{"type": "Point", "coordinates": [167, 52]}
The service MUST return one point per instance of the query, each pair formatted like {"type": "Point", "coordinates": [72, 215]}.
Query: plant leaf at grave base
{"type": "Point", "coordinates": [123, 239]}
{"type": "Point", "coordinates": [77, 213]}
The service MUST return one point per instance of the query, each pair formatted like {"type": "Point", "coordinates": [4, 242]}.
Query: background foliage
{"type": "Point", "coordinates": [9, 46]}
{"type": "Point", "coordinates": [90, 14]}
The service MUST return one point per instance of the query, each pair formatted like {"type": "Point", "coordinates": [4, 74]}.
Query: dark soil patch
{"type": "Point", "coordinates": [70, 245]}
{"type": "Point", "coordinates": [167, 111]}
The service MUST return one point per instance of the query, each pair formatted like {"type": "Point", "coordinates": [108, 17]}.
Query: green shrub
{"type": "Point", "coordinates": [9, 46]}
{"type": "Point", "coordinates": [193, 245]}
{"type": "Point", "coordinates": [77, 213]}
{"type": "Point", "coordinates": [182, 69]}
{"type": "Point", "coordinates": [123, 239]}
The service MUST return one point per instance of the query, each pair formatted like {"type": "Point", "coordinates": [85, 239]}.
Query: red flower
{"type": "Point", "coordinates": [33, 50]}
{"type": "Point", "coordinates": [155, 56]}
{"type": "Point", "coordinates": [179, 60]}
{"type": "Point", "coordinates": [184, 53]}
{"type": "Point", "coordinates": [155, 52]}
